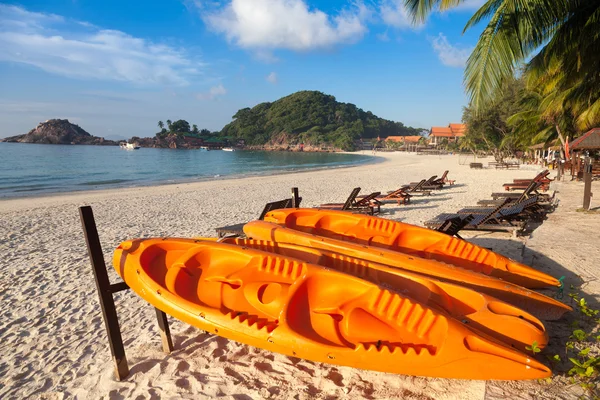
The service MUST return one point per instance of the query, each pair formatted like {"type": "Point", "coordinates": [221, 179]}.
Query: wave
{"type": "Point", "coordinates": [105, 182]}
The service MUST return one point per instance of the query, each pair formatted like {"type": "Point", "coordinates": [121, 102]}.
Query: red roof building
{"type": "Point", "coordinates": [452, 132]}
{"type": "Point", "coordinates": [403, 139]}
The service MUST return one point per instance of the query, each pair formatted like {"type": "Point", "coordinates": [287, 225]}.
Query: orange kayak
{"type": "Point", "coordinates": [410, 239]}
{"type": "Point", "coordinates": [543, 307]}
{"type": "Point", "coordinates": [480, 312]}
{"type": "Point", "coordinates": [304, 310]}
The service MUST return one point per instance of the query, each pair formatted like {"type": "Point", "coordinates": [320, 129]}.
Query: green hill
{"type": "Point", "coordinates": [312, 118]}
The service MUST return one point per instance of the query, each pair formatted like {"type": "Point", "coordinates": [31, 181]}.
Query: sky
{"type": "Point", "coordinates": [117, 67]}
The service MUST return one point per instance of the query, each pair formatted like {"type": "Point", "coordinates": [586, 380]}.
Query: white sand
{"type": "Point", "coordinates": [52, 338]}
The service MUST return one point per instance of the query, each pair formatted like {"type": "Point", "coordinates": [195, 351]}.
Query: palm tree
{"type": "Point", "coordinates": [161, 125]}
{"type": "Point", "coordinates": [565, 31]}
{"type": "Point", "coordinates": [169, 123]}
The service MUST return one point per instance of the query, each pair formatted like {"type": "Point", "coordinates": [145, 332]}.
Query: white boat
{"type": "Point", "coordinates": [228, 149]}
{"type": "Point", "coordinates": [129, 146]}
{"type": "Point", "coordinates": [204, 148]}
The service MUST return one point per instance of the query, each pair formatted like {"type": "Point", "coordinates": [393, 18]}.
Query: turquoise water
{"type": "Point", "coordinates": [36, 169]}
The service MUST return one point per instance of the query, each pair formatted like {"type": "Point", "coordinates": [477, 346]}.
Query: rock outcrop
{"type": "Point", "coordinates": [59, 131]}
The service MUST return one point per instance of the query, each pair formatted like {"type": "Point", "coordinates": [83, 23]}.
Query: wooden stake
{"type": "Point", "coordinates": [107, 304]}
{"type": "Point", "coordinates": [295, 202]}
{"type": "Point", "coordinates": [587, 184]}
{"type": "Point", "coordinates": [165, 332]}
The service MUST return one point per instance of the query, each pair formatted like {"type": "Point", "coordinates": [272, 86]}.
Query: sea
{"type": "Point", "coordinates": [38, 169]}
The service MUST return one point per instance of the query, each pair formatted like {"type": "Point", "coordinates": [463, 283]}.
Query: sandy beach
{"type": "Point", "coordinates": [52, 337]}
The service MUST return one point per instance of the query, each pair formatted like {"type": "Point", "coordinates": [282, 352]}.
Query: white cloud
{"type": "Point", "coordinates": [81, 50]}
{"type": "Point", "coordinates": [448, 54]}
{"type": "Point", "coordinates": [213, 93]}
{"type": "Point", "coordinates": [285, 24]}
{"type": "Point", "coordinates": [394, 13]}
{"type": "Point", "coordinates": [272, 78]}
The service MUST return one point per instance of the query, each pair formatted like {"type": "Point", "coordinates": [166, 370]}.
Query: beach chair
{"type": "Point", "coordinates": [237, 229]}
{"type": "Point", "coordinates": [428, 182]}
{"type": "Point", "coordinates": [517, 184]}
{"type": "Point", "coordinates": [531, 190]}
{"type": "Point", "coordinates": [444, 179]}
{"type": "Point", "coordinates": [368, 204]}
{"type": "Point", "coordinates": [494, 221]}
{"type": "Point", "coordinates": [524, 209]}
{"type": "Point", "coordinates": [417, 189]}
{"type": "Point", "coordinates": [454, 225]}
{"type": "Point", "coordinates": [400, 196]}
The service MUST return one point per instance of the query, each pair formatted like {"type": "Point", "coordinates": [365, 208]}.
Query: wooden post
{"type": "Point", "coordinates": [165, 332]}
{"type": "Point", "coordinates": [587, 184]}
{"type": "Point", "coordinates": [295, 202]}
{"type": "Point", "coordinates": [107, 304]}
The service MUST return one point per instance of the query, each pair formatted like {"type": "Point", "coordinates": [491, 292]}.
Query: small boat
{"type": "Point", "coordinates": [543, 307]}
{"type": "Point", "coordinates": [228, 149]}
{"type": "Point", "coordinates": [410, 239]}
{"type": "Point", "coordinates": [129, 146]}
{"type": "Point", "coordinates": [204, 148]}
{"type": "Point", "coordinates": [303, 310]}
{"type": "Point", "coordinates": [480, 312]}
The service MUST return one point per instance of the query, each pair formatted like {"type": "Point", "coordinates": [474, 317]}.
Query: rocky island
{"type": "Point", "coordinates": [59, 131]}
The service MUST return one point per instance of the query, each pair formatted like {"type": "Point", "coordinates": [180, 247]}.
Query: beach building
{"type": "Point", "coordinates": [408, 143]}
{"type": "Point", "coordinates": [452, 133]}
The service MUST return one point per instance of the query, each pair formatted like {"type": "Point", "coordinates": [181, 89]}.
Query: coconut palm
{"type": "Point", "coordinates": [169, 124]}
{"type": "Point", "coordinates": [161, 125]}
{"type": "Point", "coordinates": [564, 31]}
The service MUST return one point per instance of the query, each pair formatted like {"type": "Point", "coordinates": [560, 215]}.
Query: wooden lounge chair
{"type": "Point", "coordinates": [418, 188]}
{"type": "Point", "coordinates": [494, 221]}
{"type": "Point", "coordinates": [400, 196]}
{"type": "Point", "coordinates": [444, 179]}
{"type": "Point", "coordinates": [454, 225]}
{"type": "Point", "coordinates": [524, 209]}
{"type": "Point", "coordinates": [368, 204]}
{"type": "Point", "coordinates": [237, 229]}
{"type": "Point", "coordinates": [531, 190]}
{"type": "Point", "coordinates": [542, 177]}
{"type": "Point", "coordinates": [427, 181]}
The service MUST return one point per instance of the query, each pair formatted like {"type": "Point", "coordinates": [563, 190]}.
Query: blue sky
{"type": "Point", "coordinates": [117, 67]}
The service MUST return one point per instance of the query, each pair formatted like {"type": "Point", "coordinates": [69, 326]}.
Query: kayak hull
{"type": "Point", "coordinates": [410, 239]}
{"type": "Point", "coordinates": [481, 312]}
{"type": "Point", "coordinates": [291, 307]}
{"type": "Point", "coordinates": [542, 307]}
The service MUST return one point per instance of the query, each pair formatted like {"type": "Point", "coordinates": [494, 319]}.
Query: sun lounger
{"type": "Point", "coordinates": [454, 225]}
{"type": "Point", "coordinates": [443, 179]}
{"type": "Point", "coordinates": [499, 219]}
{"type": "Point", "coordinates": [427, 181]}
{"type": "Point", "coordinates": [542, 177]}
{"type": "Point", "coordinates": [531, 190]}
{"type": "Point", "coordinates": [368, 204]}
{"type": "Point", "coordinates": [237, 229]}
{"type": "Point", "coordinates": [523, 209]}
{"type": "Point", "coordinates": [400, 196]}
{"type": "Point", "coordinates": [438, 183]}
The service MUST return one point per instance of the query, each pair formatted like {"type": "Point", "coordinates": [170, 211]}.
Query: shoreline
{"type": "Point", "coordinates": [8, 202]}
{"type": "Point", "coordinates": [370, 160]}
